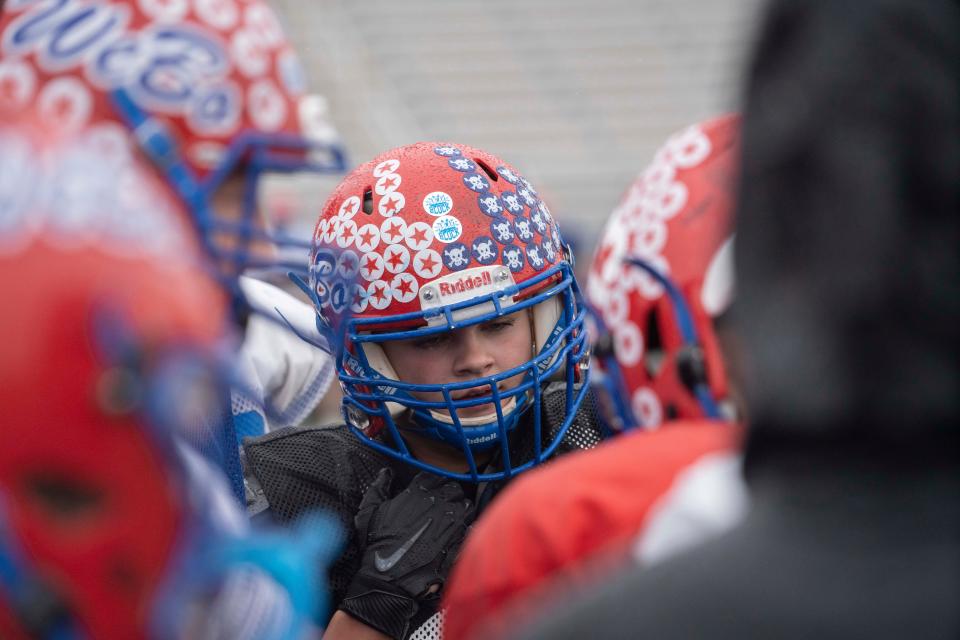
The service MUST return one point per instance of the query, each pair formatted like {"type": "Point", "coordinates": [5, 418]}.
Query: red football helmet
{"type": "Point", "coordinates": [661, 272]}
{"type": "Point", "coordinates": [106, 299]}
{"type": "Point", "coordinates": [205, 88]}
{"type": "Point", "coordinates": [428, 238]}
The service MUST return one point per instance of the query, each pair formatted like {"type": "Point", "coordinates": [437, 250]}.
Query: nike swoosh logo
{"type": "Point", "coordinates": [385, 564]}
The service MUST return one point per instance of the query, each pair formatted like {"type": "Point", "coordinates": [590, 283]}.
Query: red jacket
{"type": "Point", "coordinates": [590, 505]}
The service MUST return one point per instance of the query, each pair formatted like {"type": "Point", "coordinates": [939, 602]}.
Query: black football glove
{"type": "Point", "coordinates": [409, 543]}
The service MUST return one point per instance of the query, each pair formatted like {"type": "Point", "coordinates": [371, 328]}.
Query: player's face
{"type": "Point", "coordinates": [465, 354]}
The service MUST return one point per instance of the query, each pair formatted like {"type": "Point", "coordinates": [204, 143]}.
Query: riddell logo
{"type": "Point", "coordinates": [479, 439]}
{"type": "Point", "coordinates": [465, 284]}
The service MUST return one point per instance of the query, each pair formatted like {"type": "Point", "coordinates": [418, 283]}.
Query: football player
{"type": "Point", "coordinates": [213, 95]}
{"type": "Point", "coordinates": [464, 364]}
{"type": "Point", "coordinates": [116, 349]}
{"type": "Point", "coordinates": [660, 276]}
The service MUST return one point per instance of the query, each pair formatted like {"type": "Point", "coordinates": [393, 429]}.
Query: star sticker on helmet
{"type": "Point", "coordinates": [393, 231]}
{"type": "Point", "coordinates": [66, 101]}
{"type": "Point", "coordinates": [9, 88]}
{"type": "Point", "coordinates": [396, 258]}
{"type": "Point", "coordinates": [603, 254]}
{"type": "Point", "coordinates": [378, 295]}
{"type": "Point", "coordinates": [267, 107]}
{"type": "Point", "coordinates": [427, 264]}
{"type": "Point", "coordinates": [348, 231]}
{"type": "Point", "coordinates": [388, 183]}
{"type": "Point", "coordinates": [251, 56]}
{"type": "Point", "coordinates": [347, 263]}
{"type": "Point", "coordinates": [391, 203]}
{"type": "Point", "coordinates": [359, 302]}
{"type": "Point", "coordinates": [419, 235]}
{"type": "Point", "coordinates": [17, 83]}
{"type": "Point", "coordinates": [386, 167]}
{"type": "Point", "coordinates": [405, 287]}
{"type": "Point", "coordinates": [372, 266]}
{"type": "Point", "coordinates": [166, 10]}
{"type": "Point", "coordinates": [650, 239]}
{"type": "Point", "coordinates": [217, 13]}
{"type": "Point", "coordinates": [61, 107]}
{"type": "Point", "coordinates": [350, 207]}
{"type": "Point", "coordinates": [365, 239]}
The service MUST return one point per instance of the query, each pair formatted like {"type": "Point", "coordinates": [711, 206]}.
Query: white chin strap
{"type": "Point", "coordinates": [506, 407]}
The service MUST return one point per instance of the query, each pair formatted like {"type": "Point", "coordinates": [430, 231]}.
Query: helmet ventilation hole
{"type": "Point", "coordinates": [368, 201]}
{"type": "Point", "coordinates": [486, 169]}
{"type": "Point", "coordinates": [653, 344]}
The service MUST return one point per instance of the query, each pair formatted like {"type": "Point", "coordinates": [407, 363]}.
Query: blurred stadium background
{"type": "Point", "coordinates": [578, 95]}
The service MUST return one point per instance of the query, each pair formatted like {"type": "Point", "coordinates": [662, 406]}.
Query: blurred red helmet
{"type": "Point", "coordinates": [661, 272]}
{"type": "Point", "coordinates": [104, 296]}
{"type": "Point", "coordinates": [204, 88]}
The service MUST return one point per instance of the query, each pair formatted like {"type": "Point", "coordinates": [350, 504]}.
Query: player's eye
{"type": "Point", "coordinates": [431, 342]}
{"type": "Point", "coordinates": [500, 324]}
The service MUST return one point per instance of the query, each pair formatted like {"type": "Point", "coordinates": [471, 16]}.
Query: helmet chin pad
{"type": "Point", "coordinates": [546, 315]}
{"type": "Point", "coordinates": [506, 408]}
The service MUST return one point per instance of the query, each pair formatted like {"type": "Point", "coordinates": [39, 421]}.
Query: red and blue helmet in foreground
{"type": "Point", "coordinates": [426, 239]}
{"type": "Point", "coordinates": [662, 272]}
{"type": "Point", "coordinates": [107, 529]}
{"type": "Point", "coordinates": [207, 90]}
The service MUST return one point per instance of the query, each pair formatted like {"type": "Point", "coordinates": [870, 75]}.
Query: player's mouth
{"type": "Point", "coordinates": [477, 410]}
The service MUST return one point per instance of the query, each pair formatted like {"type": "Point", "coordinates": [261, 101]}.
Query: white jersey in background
{"type": "Point", "coordinates": [291, 375]}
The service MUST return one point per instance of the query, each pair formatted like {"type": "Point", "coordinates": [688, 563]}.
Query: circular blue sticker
{"type": "Point", "coordinates": [549, 251]}
{"type": "Point", "coordinates": [528, 186]}
{"type": "Point", "coordinates": [535, 256]}
{"type": "Point", "coordinates": [456, 256]}
{"type": "Point", "coordinates": [512, 203]}
{"type": "Point", "coordinates": [484, 250]}
{"type": "Point", "coordinates": [461, 164]}
{"type": "Point", "coordinates": [502, 230]}
{"type": "Point", "coordinates": [508, 175]}
{"type": "Point", "coordinates": [476, 182]}
{"type": "Point", "coordinates": [523, 229]}
{"type": "Point", "coordinates": [489, 204]}
{"type": "Point", "coordinates": [524, 194]}
{"type": "Point", "coordinates": [513, 258]}
{"type": "Point", "coordinates": [536, 218]}
{"type": "Point", "coordinates": [447, 151]}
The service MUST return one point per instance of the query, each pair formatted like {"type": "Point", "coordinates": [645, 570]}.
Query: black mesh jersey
{"type": "Point", "coordinates": [295, 470]}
